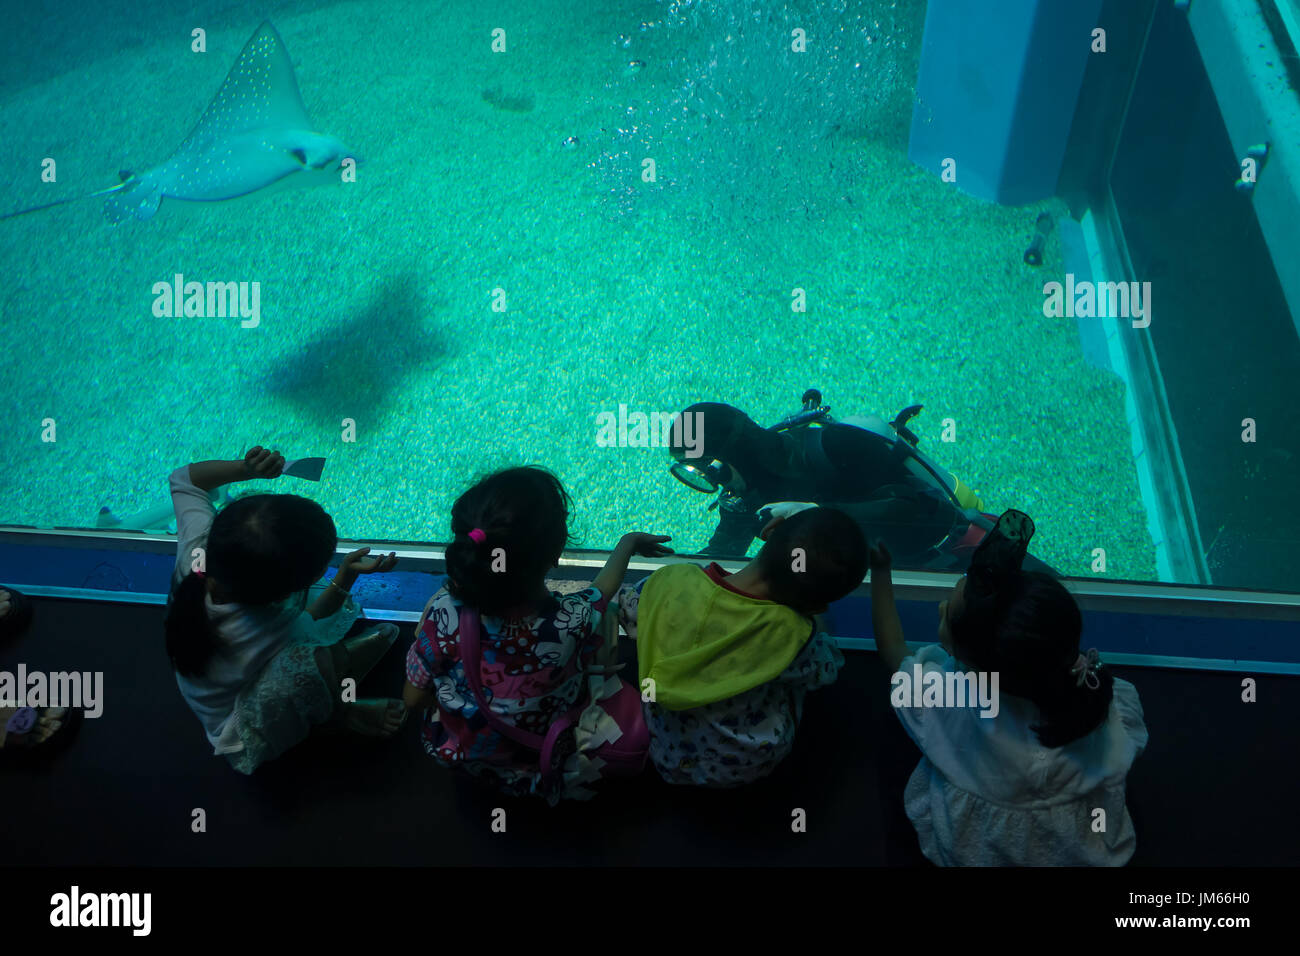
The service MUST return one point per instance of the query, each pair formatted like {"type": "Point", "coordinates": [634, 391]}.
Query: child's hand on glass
{"type": "Point", "coordinates": [879, 558]}
{"type": "Point", "coordinates": [647, 545]}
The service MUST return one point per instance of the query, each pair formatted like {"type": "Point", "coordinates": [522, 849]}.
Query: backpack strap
{"type": "Point", "coordinates": [471, 658]}
{"type": "Point", "coordinates": [424, 615]}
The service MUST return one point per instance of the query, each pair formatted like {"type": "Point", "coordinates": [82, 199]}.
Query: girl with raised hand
{"type": "Point", "coordinates": [1035, 776]}
{"type": "Point", "coordinates": [254, 632]}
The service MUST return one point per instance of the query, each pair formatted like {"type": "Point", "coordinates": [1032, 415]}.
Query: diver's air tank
{"type": "Point", "coordinates": [917, 463]}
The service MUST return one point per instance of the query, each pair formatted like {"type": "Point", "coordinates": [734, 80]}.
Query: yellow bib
{"type": "Point", "coordinates": [701, 643]}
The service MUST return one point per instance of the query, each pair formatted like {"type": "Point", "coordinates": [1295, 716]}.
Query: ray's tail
{"type": "Point", "coordinates": [127, 180]}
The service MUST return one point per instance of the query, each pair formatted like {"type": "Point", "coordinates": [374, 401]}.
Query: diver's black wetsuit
{"type": "Point", "coordinates": [849, 468]}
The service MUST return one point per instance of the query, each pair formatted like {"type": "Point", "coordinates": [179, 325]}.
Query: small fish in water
{"type": "Point", "coordinates": [634, 67]}
{"type": "Point", "coordinates": [511, 104]}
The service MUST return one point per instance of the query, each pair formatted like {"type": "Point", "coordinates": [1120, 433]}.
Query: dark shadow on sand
{"type": "Point", "coordinates": [357, 365]}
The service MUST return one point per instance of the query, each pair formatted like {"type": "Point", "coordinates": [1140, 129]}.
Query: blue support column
{"type": "Point", "coordinates": [997, 89]}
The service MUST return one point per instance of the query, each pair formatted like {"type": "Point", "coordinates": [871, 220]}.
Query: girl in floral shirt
{"type": "Point", "coordinates": [537, 647]}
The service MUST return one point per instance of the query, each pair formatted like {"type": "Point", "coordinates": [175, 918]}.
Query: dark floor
{"type": "Point", "coordinates": [1215, 787]}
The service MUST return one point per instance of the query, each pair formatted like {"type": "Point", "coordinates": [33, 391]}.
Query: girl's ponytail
{"type": "Point", "coordinates": [508, 530]}
{"type": "Point", "coordinates": [469, 569]}
{"type": "Point", "coordinates": [1071, 708]}
{"type": "Point", "coordinates": [191, 638]}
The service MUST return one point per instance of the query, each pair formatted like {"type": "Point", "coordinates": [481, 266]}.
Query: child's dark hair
{"type": "Point", "coordinates": [834, 556]}
{"type": "Point", "coordinates": [524, 512]}
{"type": "Point", "coordinates": [1032, 641]}
{"type": "Point", "coordinates": [260, 550]}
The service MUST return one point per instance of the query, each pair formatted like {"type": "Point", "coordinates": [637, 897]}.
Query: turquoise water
{"type": "Point", "coordinates": [521, 171]}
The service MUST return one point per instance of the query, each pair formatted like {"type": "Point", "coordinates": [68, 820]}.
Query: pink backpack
{"type": "Point", "coordinates": [581, 729]}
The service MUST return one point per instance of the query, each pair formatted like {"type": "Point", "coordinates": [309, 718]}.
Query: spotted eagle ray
{"type": "Point", "coordinates": [255, 132]}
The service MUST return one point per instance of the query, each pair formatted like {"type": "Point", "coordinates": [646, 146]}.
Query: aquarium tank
{"type": "Point", "coordinates": [423, 242]}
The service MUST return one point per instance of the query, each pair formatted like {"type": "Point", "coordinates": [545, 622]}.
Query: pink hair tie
{"type": "Point", "coordinates": [477, 536]}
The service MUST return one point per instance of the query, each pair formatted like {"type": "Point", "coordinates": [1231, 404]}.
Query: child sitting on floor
{"type": "Point", "coordinates": [537, 648]}
{"type": "Point", "coordinates": [727, 660]}
{"type": "Point", "coordinates": [1038, 778]}
{"type": "Point", "coordinates": [258, 665]}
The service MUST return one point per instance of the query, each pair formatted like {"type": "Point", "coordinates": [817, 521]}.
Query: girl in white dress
{"type": "Point", "coordinates": [1038, 779]}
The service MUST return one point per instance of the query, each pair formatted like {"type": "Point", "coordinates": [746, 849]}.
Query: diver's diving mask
{"type": "Point", "coordinates": [707, 479]}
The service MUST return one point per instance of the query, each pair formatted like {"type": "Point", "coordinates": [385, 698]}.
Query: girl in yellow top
{"type": "Point", "coordinates": [728, 659]}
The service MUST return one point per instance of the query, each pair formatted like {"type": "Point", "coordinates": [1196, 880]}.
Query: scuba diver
{"type": "Point", "coordinates": [870, 469]}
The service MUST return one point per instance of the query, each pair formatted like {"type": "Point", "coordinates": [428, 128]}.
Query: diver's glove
{"type": "Point", "coordinates": [738, 526]}
{"type": "Point", "coordinates": [996, 564]}
{"type": "Point", "coordinates": [783, 509]}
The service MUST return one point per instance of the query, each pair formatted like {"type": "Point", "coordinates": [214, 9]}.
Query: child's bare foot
{"type": "Point", "coordinates": [22, 728]}
{"type": "Point", "coordinates": [373, 717]}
